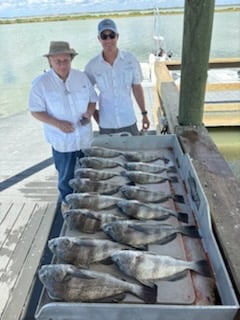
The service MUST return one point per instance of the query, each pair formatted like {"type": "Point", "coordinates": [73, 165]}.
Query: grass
{"type": "Point", "coordinates": [78, 16]}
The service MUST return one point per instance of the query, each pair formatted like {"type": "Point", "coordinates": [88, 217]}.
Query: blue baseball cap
{"type": "Point", "coordinates": [107, 24]}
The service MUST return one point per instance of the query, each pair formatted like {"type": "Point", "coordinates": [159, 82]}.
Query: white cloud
{"type": "Point", "coordinates": [17, 8]}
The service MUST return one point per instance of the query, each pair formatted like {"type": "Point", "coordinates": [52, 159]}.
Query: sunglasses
{"type": "Point", "coordinates": [111, 35]}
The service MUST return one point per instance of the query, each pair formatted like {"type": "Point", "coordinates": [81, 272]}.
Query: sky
{"type": "Point", "coordinates": [26, 8]}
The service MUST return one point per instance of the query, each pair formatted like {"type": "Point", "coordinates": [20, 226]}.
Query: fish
{"type": "Point", "coordinates": [89, 221]}
{"type": "Point", "coordinates": [144, 156]}
{"type": "Point", "coordinates": [145, 178]}
{"type": "Point", "coordinates": [94, 174]}
{"type": "Point", "coordinates": [87, 185]}
{"type": "Point", "coordinates": [101, 152]}
{"type": "Point", "coordinates": [99, 163]}
{"type": "Point", "coordinates": [83, 251]}
{"type": "Point", "coordinates": [147, 267]}
{"type": "Point", "coordinates": [82, 220]}
{"type": "Point", "coordinates": [144, 195]}
{"type": "Point", "coordinates": [142, 211]}
{"type": "Point", "coordinates": [149, 167]}
{"type": "Point", "coordinates": [65, 282]}
{"type": "Point", "coordinates": [91, 201]}
{"type": "Point", "coordinates": [140, 234]}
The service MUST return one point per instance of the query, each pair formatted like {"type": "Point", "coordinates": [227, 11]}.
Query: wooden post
{"type": "Point", "coordinates": [198, 20]}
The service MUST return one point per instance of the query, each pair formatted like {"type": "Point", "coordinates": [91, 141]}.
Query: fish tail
{"type": "Point", "coordinates": [182, 216]}
{"type": "Point", "coordinates": [178, 198]}
{"type": "Point", "coordinates": [165, 159]}
{"type": "Point", "coordinates": [171, 169]}
{"type": "Point", "coordinates": [148, 294]}
{"type": "Point", "coordinates": [190, 231]}
{"type": "Point", "coordinates": [174, 179]}
{"type": "Point", "coordinates": [202, 268]}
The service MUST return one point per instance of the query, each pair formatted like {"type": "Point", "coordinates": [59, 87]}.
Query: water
{"type": "Point", "coordinates": [22, 47]}
{"type": "Point", "coordinates": [228, 143]}
{"type": "Point", "coordinates": [24, 44]}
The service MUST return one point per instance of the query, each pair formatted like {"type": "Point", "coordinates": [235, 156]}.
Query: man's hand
{"type": "Point", "coordinates": [65, 126]}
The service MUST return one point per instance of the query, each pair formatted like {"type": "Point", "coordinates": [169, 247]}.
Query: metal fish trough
{"type": "Point", "coordinates": [192, 297]}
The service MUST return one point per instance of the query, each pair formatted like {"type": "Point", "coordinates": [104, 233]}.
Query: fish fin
{"type": "Point", "coordinates": [139, 228]}
{"type": "Point", "coordinates": [190, 231]}
{"type": "Point", "coordinates": [131, 183]}
{"type": "Point", "coordinates": [176, 276]}
{"type": "Point", "coordinates": [92, 216]}
{"type": "Point", "coordinates": [173, 179]}
{"type": "Point", "coordinates": [182, 216]}
{"type": "Point", "coordinates": [143, 247]}
{"type": "Point", "coordinates": [147, 283]}
{"type": "Point", "coordinates": [79, 274]}
{"type": "Point", "coordinates": [123, 173]}
{"type": "Point", "coordinates": [171, 169]}
{"type": "Point", "coordinates": [111, 299]}
{"type": "Point", "coordinates": [107, 261]}
{"type": "Point", "coordinates": [111, 192]}
{"type": "Point", "coordinates": [118, 297]}
{"type": "Point", "coordinates": [149, 294]}
{"type": "Point", "coordinates": [166, 239]}
{"type": "Point", "coordinates": [93, 229]}
{"type": "Point", "coordinates": [178, 198]}
{"type": "Point", "coordinates": [203, 268]}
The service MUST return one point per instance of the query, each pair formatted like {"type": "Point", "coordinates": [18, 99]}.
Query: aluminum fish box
{"type": "Point", "coordinates": [193, 297]}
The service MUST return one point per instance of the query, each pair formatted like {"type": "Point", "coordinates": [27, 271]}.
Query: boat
{"type": "Point", "coordinates": [160, 52]}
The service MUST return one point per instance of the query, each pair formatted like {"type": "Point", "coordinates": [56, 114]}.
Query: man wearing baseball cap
{"type": "Point", "coordinates": [116, 74]}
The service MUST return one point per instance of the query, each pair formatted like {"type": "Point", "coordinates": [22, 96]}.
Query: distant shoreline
{"type": "Point", "coordinates": [84, 16]}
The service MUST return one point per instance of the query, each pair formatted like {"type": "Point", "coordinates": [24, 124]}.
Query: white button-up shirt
{"type": "Point", "coordinates": [114, 84]}
{"type": "Point", "coordinates": [64, 100]}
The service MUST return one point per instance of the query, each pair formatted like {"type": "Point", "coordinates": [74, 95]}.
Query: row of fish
{"type": "Point", "coordinates": [90, 185]}
{"type": "Point", "coordinates": [141, 265]}
{"type": "Point", "coordinates": [91, 221]}
{"type": "Point", "coordinates": [67, 282]}
{"type": "Point", "coordinates": [130, 216]}
{"type": "Point", "coordinates": [139, 156]}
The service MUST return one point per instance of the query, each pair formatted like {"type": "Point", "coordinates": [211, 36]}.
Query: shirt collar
{"type": "Point", "coordinates": [54, 74]}
{"type": "Point", "coordinates": [119, 56]}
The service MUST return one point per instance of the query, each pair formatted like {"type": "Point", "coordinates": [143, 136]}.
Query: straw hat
{"type": "Point", "coordinates": [60, 47]}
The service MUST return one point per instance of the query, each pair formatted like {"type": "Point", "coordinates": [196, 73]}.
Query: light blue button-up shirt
{"type": "Point", "coordinates": [114, 85]}
{"type": "Point", "coordinates": [64, 100]}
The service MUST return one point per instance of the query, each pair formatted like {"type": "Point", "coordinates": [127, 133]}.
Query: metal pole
{"type": "Point", "coordinates": [198, 20]}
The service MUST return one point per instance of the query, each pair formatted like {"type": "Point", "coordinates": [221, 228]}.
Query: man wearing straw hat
{"type": "Point", "coordinates": [64, 100]}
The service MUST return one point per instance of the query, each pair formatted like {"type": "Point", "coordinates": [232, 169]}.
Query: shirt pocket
{"type": "Point", "coordinates": [56, 104]}
{"type": "Point", "coordinates": [101, 81]}
{"type": "Point", "coordinates": [81, 99]}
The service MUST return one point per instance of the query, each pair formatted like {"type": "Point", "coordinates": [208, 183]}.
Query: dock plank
{"type": "Point", "coordinates": [33, 226]}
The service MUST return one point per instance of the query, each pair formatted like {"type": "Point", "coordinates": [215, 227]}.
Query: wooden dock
{"type": "Point", "coordinates": [222, 99]}
{"type": "Point", "coordinates": [29, 208]}
{"type": "Point", "coordinates": [221, 187]}
{"type": "Point", "coordinates": [28, 201]}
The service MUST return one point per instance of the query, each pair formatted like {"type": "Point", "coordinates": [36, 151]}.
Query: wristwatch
{"type": "Point", "coordinates": [144, 113]}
